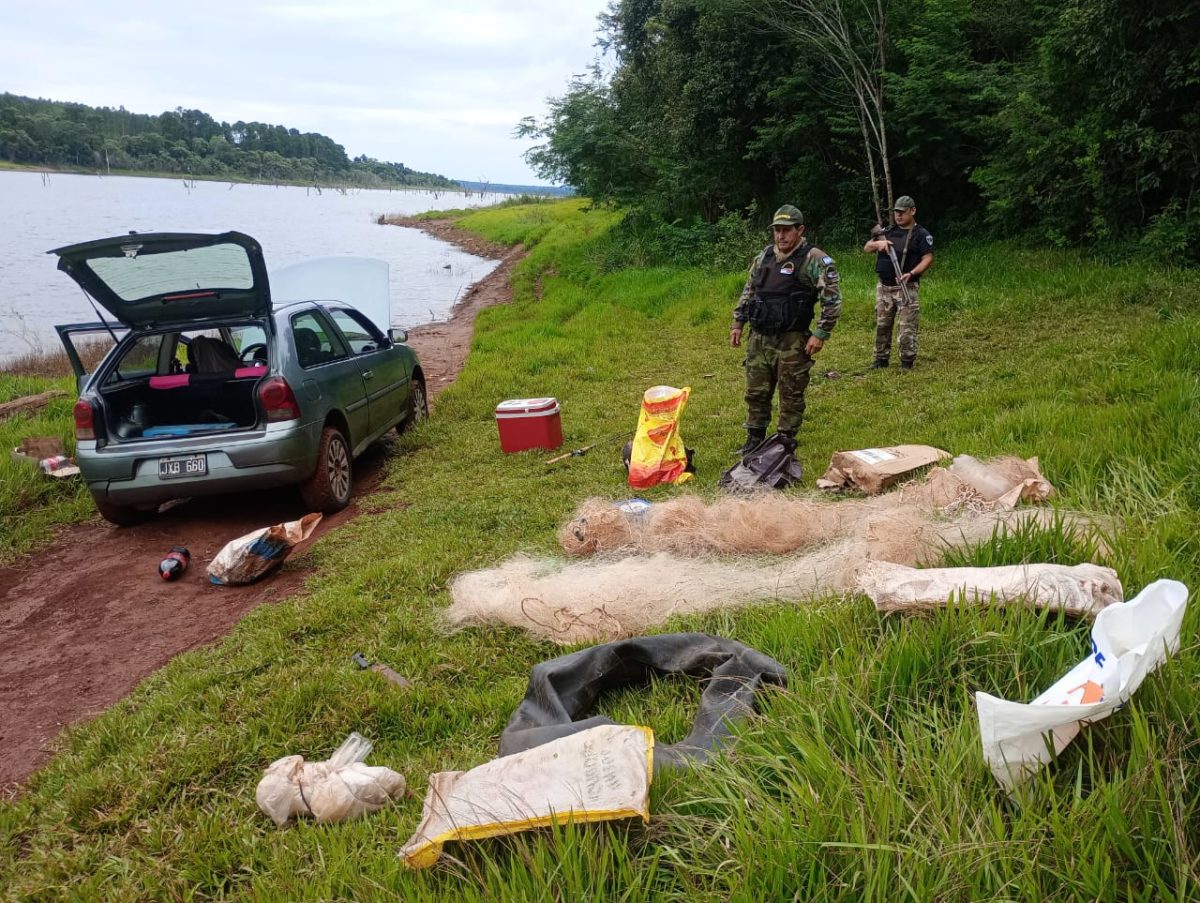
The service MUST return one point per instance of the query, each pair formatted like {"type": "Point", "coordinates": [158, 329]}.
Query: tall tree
{"type": "Point", "coordinates": [852, 41]}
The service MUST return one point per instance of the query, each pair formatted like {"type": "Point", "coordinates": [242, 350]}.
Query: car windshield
{"type": "Point", "coordinates": [136, 276]}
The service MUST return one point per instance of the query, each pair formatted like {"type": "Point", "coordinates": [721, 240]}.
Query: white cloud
{"type": "Point", "coordinates": [436, 87]}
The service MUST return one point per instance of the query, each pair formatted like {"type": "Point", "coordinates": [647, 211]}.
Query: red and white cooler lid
{"type": "Point", "coordinates": [527, 406]}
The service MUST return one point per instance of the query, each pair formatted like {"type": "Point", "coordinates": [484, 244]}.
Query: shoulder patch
{"type": "Point", "coordinates": [827, 260]}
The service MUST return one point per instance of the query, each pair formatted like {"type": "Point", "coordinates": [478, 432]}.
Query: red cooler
{"type": "Point", "coordinates": [527, 423]}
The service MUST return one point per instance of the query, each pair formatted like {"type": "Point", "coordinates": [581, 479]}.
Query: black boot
{"type": "Point", "coordinates": [754, 438]}
{"type": "Point", "coordinates": [906, 365]}
{"type": "Point", "coordinates": [879, 363]}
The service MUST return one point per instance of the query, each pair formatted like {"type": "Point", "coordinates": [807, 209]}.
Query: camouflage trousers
{"type": "Point", "coordinates": [890, 306]}
{"type": "Point", "coordinates": [776, 361]}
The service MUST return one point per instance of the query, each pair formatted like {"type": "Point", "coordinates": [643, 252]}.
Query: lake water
{"type": "Point", "coordinates": [39, 213]}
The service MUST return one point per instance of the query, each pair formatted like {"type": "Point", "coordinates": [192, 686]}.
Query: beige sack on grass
{"type": "Point", "coordinates": [1084, 589]}
{"type": "Point", "coordinates": [341, 788]}
{"type": "Point", "coordinates": [600, 774]}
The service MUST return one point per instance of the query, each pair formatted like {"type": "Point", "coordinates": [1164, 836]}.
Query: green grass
{"type": "Point", "coordinates": [33, 505]}
{"type": "Point", "coordinates": [863, 780]}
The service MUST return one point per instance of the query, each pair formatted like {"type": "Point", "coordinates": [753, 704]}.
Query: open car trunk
{"type": "Point", "coordinates": [181, 404]}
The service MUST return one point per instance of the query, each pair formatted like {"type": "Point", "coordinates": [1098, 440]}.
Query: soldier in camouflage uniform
{"type": "Point", "coordinates": [778, 301]}
{"type": "Point", "coordinates": [897, 296]}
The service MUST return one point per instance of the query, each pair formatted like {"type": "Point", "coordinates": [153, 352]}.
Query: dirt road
{"type": "Point", "coordinates": [83, 621]}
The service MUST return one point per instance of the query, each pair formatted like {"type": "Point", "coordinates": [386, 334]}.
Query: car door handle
{"type": "Point", "coordinates": [367, 374]}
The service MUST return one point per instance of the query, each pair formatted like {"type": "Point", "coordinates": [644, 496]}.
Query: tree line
{"type": "Point", "coordinates": [1068, 121]}
{"type": "Point", "coordinates": [49, 133]}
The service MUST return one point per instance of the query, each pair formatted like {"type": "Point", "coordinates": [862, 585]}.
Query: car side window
{"type": "Point", "coordinates": [140, 359]}
{"type": "Point", "coordinates": [315, 340]}
{"type": "Point", "coordinates": [363, 335]}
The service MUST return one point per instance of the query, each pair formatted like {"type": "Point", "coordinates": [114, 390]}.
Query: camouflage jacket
{"type": "Point", "coordinates": [821, 272]}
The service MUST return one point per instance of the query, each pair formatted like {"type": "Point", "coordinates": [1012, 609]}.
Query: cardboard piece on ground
{"type": "Point", "coordinates": [602, 774]}
{"type": "Point", "coordinates": [48, 453]}
{"type": "Point", "coordinates": [37, 448]}
{"type": "Point", "coordinates": [872, 470]}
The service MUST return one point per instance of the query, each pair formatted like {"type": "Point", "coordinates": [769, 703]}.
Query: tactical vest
{"type": "Point", "coordinates": [783, 301]}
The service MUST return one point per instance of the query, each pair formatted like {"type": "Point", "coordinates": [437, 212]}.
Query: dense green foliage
{"type": "Point", "coordinates": [1071, 122]}
{"type": "Point", "coordinates": [863, 780]}
{"type": "Point", "coordinates": [187, 142]}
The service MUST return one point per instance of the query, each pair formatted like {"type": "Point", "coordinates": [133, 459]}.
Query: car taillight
{"type": "Point", "coordinates": [278, 400]}
{"type": "Point", "coordinates": [85, 420]}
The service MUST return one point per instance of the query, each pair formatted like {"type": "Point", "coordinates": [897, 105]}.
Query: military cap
{"type": "Point", "coordinates": [787, 215]}
{"type": "Point", "coordinates": [904, 202]}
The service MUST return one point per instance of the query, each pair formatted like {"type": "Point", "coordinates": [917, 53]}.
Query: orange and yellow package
{"type": "Point", "coordinates": [658, 454]}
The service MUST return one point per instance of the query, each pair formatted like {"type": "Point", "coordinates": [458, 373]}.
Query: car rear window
{"type": "Point", "coordinates": [132, 278]}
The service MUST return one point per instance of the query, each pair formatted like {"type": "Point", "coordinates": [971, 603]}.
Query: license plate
{"type": "Point", "coordinates": [182, 466]}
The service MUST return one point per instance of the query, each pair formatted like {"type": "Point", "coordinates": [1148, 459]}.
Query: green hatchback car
{"type": "Point", "coordinates": [210, 387]}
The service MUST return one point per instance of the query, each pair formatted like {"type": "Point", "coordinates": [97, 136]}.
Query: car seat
{"type": "Point", "coordinates": [209, 355]}
{"type": "Point", "coordinates": [308, 346]}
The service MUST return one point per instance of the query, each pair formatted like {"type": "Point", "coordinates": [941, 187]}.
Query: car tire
{"type": "Point", "coordinates": [123, 515]}
{"type": "Point", "coordinates": [418, 405]}
{"type": "Point", "coordinates": [328, 489]}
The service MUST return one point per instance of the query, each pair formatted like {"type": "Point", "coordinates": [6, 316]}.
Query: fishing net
{"type": "Point", "coordinates": [608, 599]}
{"type": "Point", "coordinates": [770, 523]}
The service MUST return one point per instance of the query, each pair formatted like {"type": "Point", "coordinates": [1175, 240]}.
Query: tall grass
{"type": "Point", "coordinates": [32, 504]}
{"type": "Point", "coordinates": [862, 780]}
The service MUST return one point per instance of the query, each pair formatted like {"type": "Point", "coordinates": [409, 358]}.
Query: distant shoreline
{"type": "Point", "coordinates": [468, 189]}
{"type": "Point", "coordinates": [6, 166]}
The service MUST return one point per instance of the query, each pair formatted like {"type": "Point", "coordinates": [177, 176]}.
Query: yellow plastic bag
{"type": "Point", "coordinates": [658, 454]}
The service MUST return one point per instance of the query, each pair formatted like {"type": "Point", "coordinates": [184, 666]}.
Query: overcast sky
{"type": "Point", "coordinates": [436, 86]}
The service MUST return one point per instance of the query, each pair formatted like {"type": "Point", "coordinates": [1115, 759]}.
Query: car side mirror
{"type": "Point", "coordinates": [398, 335]}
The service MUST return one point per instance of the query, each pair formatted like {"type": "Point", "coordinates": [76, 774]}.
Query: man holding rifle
{"type": "Point", "coordinates": [905, 251]}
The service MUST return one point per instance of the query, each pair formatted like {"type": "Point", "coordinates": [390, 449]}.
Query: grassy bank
{"type": "Point", "coordinates": [862, 781]}
{"type": "Point", "coordinates": [31, 504]}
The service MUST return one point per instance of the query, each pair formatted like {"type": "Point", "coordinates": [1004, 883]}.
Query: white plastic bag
{"type": "Point", "coordinates": [1129, 640]}
{"type": "Point", "coordinates": [338, 789]}
{"type": "Point", "coordinates": [1084, 589]}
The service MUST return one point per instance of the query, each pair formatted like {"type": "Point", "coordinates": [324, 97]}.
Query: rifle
{"type": "Point", "coordinates": [877, 234]}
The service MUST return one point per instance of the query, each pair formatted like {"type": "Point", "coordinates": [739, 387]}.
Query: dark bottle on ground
{"type": "Point", "coordinates": [176, 562]}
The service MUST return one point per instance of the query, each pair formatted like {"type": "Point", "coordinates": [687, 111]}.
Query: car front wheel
{"type": "Point", "coordinates": [418, 405]}
{"type": "Point", "coordinates": [328, 489]}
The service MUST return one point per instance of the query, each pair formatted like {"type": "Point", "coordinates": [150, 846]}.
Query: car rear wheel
{"type": "Point", "coordinates": [123, 515]}
{"type": "Point", "coordinates": [418, 405]}
{"type": "Point", "coordinates": [328, 489]}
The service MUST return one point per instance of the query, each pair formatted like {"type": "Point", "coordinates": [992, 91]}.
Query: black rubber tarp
{"type": "Point", "coordinates": [565, 688]}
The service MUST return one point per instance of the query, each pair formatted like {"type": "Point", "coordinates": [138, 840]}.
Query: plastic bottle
{"type": "Point", "coordinates": [990, 483]}
{"type": "Point", "coordinates": [176, 562]}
